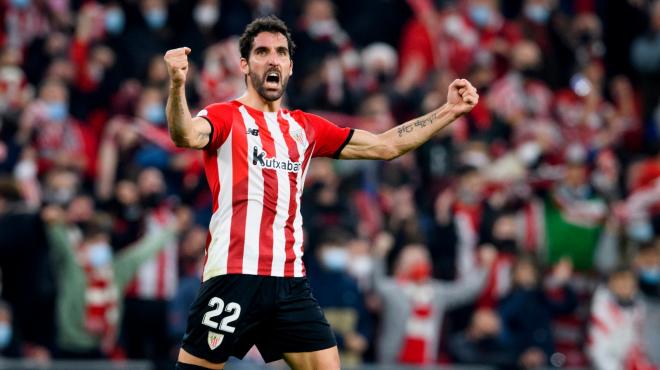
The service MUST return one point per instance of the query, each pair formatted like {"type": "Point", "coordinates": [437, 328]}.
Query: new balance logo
{"type": "Point", "coordinates": [259, 158]}
{"type": "Point", "coordinates": [253, 131]}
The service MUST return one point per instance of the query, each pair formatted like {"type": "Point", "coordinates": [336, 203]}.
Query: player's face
{"type": "Point", "coordinates": [269, 65]}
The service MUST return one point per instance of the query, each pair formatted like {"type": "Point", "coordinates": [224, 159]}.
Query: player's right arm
{"type": "Point", "coordinates": [185, 131]}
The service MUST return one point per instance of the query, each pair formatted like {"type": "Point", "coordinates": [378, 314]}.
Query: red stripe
{"type": "Point", "coordinates": [213, 179]}
{"type": "Point", "coordinates": [530, 227]}
{"type": "Point", "coordinates": [132, 289]}
{"type": "Point", "coordinates": [599, 324]}
{"type": "Point", "coordinates": [269, 201]}
{"type": "Point", "coordinates": [160, 277]}
{"type": "Point", "coordinates": [294, 156]}
{"type": "Point", "coordinates": [239, 198]}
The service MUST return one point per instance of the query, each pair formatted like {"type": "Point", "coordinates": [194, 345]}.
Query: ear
{"type": "Point", "coordinates": [291, 69]}
{"type": "Point", "coordinates": [245, 68]}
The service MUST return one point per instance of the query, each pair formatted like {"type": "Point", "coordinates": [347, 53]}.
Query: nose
{"type": "Point", "coordinates": [272, 59]}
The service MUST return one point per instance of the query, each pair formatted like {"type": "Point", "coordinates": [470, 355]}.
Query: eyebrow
{"type": "Point", "coordinates": [277, 48]}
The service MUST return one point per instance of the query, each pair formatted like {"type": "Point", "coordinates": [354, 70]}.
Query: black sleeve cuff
{"type": "Point", "coordinates": [341, 147]}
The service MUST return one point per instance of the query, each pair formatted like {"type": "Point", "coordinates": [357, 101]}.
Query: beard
{"type": "Point", "coordinates": [259, 84]}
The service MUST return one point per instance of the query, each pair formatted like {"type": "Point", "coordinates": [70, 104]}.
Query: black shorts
{"type": "Point", "coordinates": [234, 312]}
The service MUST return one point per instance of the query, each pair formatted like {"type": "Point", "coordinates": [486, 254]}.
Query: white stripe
{"type": "Point", "coordinates": [171, 276]}
{"type": "Point", "coordinates": [467, 240]}
{"type": "Point", "coordinates": [220, 225]}
{"type": "Point", "coordinates": [255, 197]}
{"type": "Point", "coordinates": [147, 277]}
{"type": "Point", "coordinates": [283, 193]}
{"type": "Point", "coordinates": [297, 222]}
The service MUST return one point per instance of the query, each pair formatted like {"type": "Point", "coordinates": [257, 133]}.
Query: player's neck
{"type": "Point", "coordinates": [255, 101]}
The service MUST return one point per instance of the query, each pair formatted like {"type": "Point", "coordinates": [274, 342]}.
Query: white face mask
{"type": "Point", "coordinates": [322, 28]}
{"type": "Point", "coordinates": [206, 15]}
{"type": "Point", "coordinates": [360, 266]}
{"type": "Point", "coordinates": [335, 258]}
{"type": "Point", "coordinates": [99, 254]}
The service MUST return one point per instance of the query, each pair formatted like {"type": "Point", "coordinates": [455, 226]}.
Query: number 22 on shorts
{"type": "Point", "coordinates": [232, 307]}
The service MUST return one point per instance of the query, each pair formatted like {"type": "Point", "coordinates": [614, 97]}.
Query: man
{"type": "Point", "coordinates": [256, 153]}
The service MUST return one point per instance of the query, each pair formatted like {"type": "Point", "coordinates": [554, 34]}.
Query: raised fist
{"type": "Point", "coordinates": [177, 65]}
{"type": "Point", "coordinates": [462, 97]}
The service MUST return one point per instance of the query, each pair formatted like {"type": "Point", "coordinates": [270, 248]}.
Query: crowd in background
{"type": "Point", "coordinates": [526, 234]}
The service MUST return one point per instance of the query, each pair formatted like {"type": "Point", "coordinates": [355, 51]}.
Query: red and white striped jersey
{"type": "Point", "coordinates": [255, 164]}
{"type": "Point", "coordinates": [157, 278]}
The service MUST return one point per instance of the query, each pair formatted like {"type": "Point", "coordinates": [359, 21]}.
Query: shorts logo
{"type": "Point", "coordinates": [214, 339]}
{"type": "Point", "coordinates": [259, 158]}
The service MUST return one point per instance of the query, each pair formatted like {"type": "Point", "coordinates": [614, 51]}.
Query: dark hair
{"type": "Point", "coordinates": [264, 24]}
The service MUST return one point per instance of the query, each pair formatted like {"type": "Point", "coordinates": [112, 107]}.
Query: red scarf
{"type": "Point", "coordinates": [419, 326]}
{"type": "Point", "coordinates": [101, 299]}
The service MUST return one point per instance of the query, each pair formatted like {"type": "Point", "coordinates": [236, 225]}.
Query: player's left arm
{"type": "Point", "coordinates": [399, 140]}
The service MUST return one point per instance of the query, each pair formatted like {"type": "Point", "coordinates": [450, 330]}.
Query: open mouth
{"type": "Point", "coordinates": [272, 80]}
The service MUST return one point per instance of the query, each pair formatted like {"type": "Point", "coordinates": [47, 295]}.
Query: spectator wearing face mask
{"type": "Point", "coordinates": [47, 124]}
{"type": "Point", "coordinates": [413, 303]}
{"type": "Point", "coordinates": [617, 324]}
{"type": "Point", "coordinates": [206, 29]}
{"type": "Point", "coordinates": [340, 297]}
{"type": "Point", "coordinates": [150, 35]}
{"type": "Point", "coordinates": [91, 282]}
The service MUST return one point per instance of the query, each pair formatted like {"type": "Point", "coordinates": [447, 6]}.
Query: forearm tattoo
{"type": "Point", "coordinates": [407, 128]}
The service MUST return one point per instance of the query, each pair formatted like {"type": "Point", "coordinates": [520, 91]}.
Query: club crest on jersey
{"type": "Point", "coordinates": [214, 339]}
{"type": "Point", "coordinates": [259, 159]}
{"type": "Point", "coordinates": [299, 137]}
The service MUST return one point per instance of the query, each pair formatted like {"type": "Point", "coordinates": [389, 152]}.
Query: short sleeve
{"type": "Point", "coordinates": [329, 138]}
{"type": "Point", "coordinates": [219, 117]}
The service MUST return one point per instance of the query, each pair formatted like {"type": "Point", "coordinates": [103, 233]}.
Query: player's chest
{"type": "Point", "coordinates": [271, 142]}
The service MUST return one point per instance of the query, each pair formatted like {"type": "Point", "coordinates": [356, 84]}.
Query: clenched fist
{"type": "Point", "coordinates": [177, 65]}
{"type": "Point", "coordinates": [462, 97]}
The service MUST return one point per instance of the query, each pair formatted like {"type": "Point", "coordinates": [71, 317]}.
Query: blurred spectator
{"type": "Point", "coordinates": [617, 319]}
{"type": "Point", "coordinates": [47, 124]}
{"type": "Point", "coordinates": [27, 284]}
{"type": "Point", "coordinates": [520, 97]}
{"type": "Point", "coordinates": [586, 116]}
{"type": "Point", "coordinates": [144, 328]}
{"type": "Point", "coordinates": [413, 303]}
{"type": "Point", "coordinates": [574, 214]}
{"type": "Point", "coordinates": [323, 206]}
{"type": "Point", "coordinates": [340, 298]}
{"type": "Point", "coordinates": [322, 42]}
{"type": "Point", "coordinates": [645, 58]}
{"type": "Point", "coordinates": [436, 37]}
{"type": "Point", "coordinates": [484, 341]}
{"type": "Point", "coordinates": [24, 21]}
{"type": "Point", "coordinates": [528, 309]}
{"type": "Point", "coordinates": [220, 77]}
{"type": "Point", "coordinates": [148, 35]}
{"type": "Point", "coordinates": [91, 281]}
{"type": "Point", "coordinates": [192, 257]}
